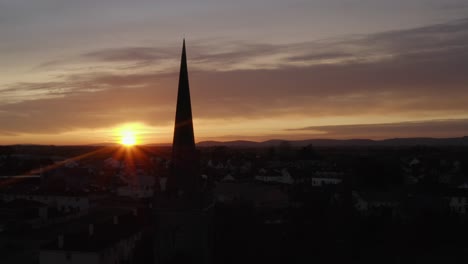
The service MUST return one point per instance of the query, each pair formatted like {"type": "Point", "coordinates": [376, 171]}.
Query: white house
{"type": "Point", "coordinates": [458, 204]}
{"type": "Point", "coordinates": [374, 200]}
{"type": "Point", "coordinates": [326, 178]}
{"type": "Point", "coordinates": [283, 177]}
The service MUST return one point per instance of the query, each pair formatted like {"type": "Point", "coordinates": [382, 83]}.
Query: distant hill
{"type": "Point", "coordinates": [236, 143]}
{"type": "Point", "coordinates": [462, 141]}
{"type": "Point", "coordinates": [159, 145]}
{"type": "Point", "coordinates": [104, 144]}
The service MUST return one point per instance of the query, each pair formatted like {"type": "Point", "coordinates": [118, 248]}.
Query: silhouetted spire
{"type": "Point", "coordinates": [185, 180]}
{"type": "Point", "coordinates": [183, 215]}
{"type": "Point", "coordinates": [183, 130]}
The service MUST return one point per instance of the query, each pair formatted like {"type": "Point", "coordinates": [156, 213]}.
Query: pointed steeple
{"type": "Point", "coordinates": [185, 179]}
{"type": "Point", "coordinates": [183, 130]}
{"type": "Point", "coordinates": [184, 210]}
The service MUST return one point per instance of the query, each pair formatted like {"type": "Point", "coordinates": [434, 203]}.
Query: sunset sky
{"type": "Point", "coordinates": [88, 71]}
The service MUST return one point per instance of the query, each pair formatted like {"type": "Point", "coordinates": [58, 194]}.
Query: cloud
{"type": "Point", "coordinates": [218, 55]}
{"type": "Point", "coordinates": [416, 72]}
{"type": "Point", "coordinates": [430, 128]}
{"type": "Point", "coordinates": [141, 54]}
{"type": "Point", "coordinates": [322, 56]}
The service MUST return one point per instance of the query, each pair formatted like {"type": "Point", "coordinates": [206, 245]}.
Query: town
{"type": "Point", "coordinates": [275, 204]}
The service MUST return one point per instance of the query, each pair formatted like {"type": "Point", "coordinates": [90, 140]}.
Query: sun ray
{"type": "Point", "coordinates": [18, 178]}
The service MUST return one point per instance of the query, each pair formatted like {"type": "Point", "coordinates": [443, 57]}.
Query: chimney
{"type": "Point", "coordinates": [60, 241]}
{"type": "Point", "coordinates": [91, 229]}
{"type": "Point", "coordinates": [116, 220]}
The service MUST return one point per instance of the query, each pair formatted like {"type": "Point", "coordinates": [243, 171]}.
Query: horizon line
{"type": "Point", "coordinates": [235, 140]}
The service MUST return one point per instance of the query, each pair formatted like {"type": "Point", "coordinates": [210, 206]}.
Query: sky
{"type": "Point", "coordinates": [90, 71]}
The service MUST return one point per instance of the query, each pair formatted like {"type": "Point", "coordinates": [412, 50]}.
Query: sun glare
{"type": "Point", "coordinates": [128, 139]}
{"type": "Point", "coordinates": [130, 134]}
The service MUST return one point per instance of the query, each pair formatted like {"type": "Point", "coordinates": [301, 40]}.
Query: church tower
{"type": "Point", "coordinates": [184, 210]}
{"type": "Point", "coordinates": [185, 181]}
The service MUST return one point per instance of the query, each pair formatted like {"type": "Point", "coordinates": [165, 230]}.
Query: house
{"type": "Point", "coordinates": [228, 178]}
{"type": "Point", "coordinates": [101, 243]}
{"type": "Point", "coordinates": [282, 176]}
{"type": "Point", "coordinates": [68, 176]}
{"type": "Point", "coordinates": [135, 182]}
{"type": "Point", "coordinates": [22, 213]}
{"type": "Point", "coordinates": [66, 202]}
{"type": "Point", "coordinates": [322, 178]}
{"type": "Point", "coordinates": [458, 204]}
{"type": "Point", "coordinates": [262, 196]}
{"type": "Point", "coordinates": [138, 185]}
{"type": "Point", "coordinates": [371, 201]}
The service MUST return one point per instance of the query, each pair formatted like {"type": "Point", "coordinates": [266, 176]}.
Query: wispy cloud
{"type": "Point", "coordinates": [413, 73]}
{"type": "Point", "coordinates": [428, 128]}
{"type": "Point", "coordinates": [215, 55]}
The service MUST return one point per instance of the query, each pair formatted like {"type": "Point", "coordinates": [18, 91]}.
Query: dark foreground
{"type": "Point", "coordinates": [280, 204]}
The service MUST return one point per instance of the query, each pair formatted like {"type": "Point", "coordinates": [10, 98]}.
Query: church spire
{"type": "Point", "coordinates": [183, 215]}
{"type": "Point", "coordinates": [183, 129]}
{"type": "Point", "coordinates": [185, 178]}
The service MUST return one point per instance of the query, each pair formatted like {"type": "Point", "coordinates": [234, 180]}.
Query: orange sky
{"type": "Point", "coordinates": [359, 74]}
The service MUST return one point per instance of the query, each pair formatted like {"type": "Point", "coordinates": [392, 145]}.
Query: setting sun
{"type": "Point", "coordinates": [128, 139]}
{"type": "Point", "coordinates": [129, 134]}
